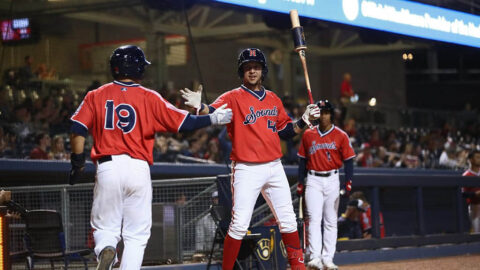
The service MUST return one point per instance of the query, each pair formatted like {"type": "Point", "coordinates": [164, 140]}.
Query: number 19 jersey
{"type": "Point", "coordinates": [255, 124]}
{"type": "Point", "coordinates": [123, 119]}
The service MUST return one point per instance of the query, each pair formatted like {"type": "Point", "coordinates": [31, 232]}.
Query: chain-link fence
{"type": "Point", "coordinates": [191, 199]}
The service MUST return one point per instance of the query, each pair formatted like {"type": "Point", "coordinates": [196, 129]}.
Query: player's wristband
{"type": "Point", "coordinates": [301, 124]}
{"type": "Point", "coordinates": [77, 160]}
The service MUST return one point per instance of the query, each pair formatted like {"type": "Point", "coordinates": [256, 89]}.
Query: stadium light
{"type": "Point", "coordinates": [372, 102]}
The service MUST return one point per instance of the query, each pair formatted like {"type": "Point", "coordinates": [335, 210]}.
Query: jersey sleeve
{"type": "Point", "coordinates": [222, 99]}
{"type": "Point", "coordinates": [301, 148]}
{"type": "Point", "coordinates": [283, 118]}
{"type": "Point", "coordinates": [85, 112]}
{"type": "Point", "coordinates": [167, 117]}
{"type": "Point", "coordinates": [347, 149]}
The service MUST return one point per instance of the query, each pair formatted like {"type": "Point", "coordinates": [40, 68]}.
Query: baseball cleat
{"type": "Point", "coordinates": [330, 266]}
{"type": "Point", "coordinates": [315, 263]}
{"type": "Point", "coordinates": [106, 258]}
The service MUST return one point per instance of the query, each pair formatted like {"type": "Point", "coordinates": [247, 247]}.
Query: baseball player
{"type": "Point", "coordinates": [123, 116]}
{"type": "Point", "coordinates": [259, 121]}
{"type": "Point", "coordinates": [473, 193]}
{"type": "Point", "coordinates": [321, 154]}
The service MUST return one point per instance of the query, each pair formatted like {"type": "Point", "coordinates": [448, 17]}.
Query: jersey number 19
{"type": "Point", "coordinates": [125, 113]}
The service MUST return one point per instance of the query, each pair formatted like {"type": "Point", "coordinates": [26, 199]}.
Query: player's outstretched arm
{"type": "Point", "coordinates": [194, 99]}
{"type": "Point", "coordinates": [221, 116]}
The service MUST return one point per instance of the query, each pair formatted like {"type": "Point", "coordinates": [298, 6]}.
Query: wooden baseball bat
{"type": "Point", "coordinates": [300, 48]}
{"type": "Point", "coordinates": [300, 216]}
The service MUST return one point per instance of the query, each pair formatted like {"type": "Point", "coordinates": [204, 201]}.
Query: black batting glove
{"type": "Point", "coordinates": [78, 165]}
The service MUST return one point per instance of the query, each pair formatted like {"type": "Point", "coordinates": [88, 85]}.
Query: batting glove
{"type": "Point", "coordinates": [221, 116]}
{"type": "Point", "coordinates": [193, 98]}
{"type": "Point", "coordinates": [300, 189]}
{"type": "Point", "coordinates": [78, 165]}
{"type": "Point", "coordinates": [345, 188]}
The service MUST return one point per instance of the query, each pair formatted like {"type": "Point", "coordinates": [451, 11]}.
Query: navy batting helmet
{"type": "Point", "coordinates": [327, 106]}
{"type": "Point", "coordinates": [128, 62]}
{"type": "Point", "coordinates": [252, 55]}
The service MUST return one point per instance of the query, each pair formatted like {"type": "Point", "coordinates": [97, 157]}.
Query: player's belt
{"type": "Point", "coordinates": [322, 174]}
{"type": "Point", "coordinates": [104, 159]}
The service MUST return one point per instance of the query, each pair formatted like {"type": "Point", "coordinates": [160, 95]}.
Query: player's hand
{"type": "Point", "coordinates": [300, 189]}
{"type": "Point", "coordinates": [221, 116]}
{"type": "Point", "coordinates": [313, 112]}
{"type": "Point", "coordinates": [345, 188]}
{"type": "Point", "coordinates": [78, 165]}
{"type": "Point", "coordinates": [193, 98]}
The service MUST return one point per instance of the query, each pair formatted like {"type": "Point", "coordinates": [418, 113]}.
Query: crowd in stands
{"type": "Point", "coordinates": [28, 122]}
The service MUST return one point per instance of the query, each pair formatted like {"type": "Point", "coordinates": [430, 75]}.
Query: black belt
{"type": "Point", "coordinates": [104, 159]}
{"type": "Point", "coordinates": [327, 174]}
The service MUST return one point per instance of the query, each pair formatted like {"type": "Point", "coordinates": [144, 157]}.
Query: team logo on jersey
{"type": "Point", "coordinates": [263, 249]}
{"type": "Point", "coordinates": [252, 117]}
{"type": "Point", "coordinates": [317, 146]}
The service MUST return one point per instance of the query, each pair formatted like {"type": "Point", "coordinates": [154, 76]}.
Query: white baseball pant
{"type": "Point", "coordinates": [123, 192]}
{"type": "Point", "coordinates": [322, 197]}
{"type": "Point", "coordinates": [474, 212]}
{"type": "Point", "coordinates": [249, 179]}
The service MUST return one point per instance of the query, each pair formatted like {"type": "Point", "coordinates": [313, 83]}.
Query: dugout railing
{"type": "Point", "coordinates": [420, 207]}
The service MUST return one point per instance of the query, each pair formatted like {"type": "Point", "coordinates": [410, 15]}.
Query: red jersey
{"type": "Point", "coordinates": [475, 200]}
{"type": "Point", "coordinates": [255, 123]}
{"type": "Point", "coordinates": [325, 151]}
{"type": "Point", "coordinates": [123, 119]}
{"type": "Point", "coordinates": [366, 221]}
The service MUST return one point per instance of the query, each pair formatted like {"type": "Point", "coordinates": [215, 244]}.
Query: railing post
{"type": "Point", "coordinates": [66, 215]}
{"type": "Point", "coordinates": [4, 240]}
{"type": "Point", "coordinates": [420, 211]}
{"type": "Point", "coordinates": [376, 212]}
{"type": "Point", "coordinates": [460, 212]}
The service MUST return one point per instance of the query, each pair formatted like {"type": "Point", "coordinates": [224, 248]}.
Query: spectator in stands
{"type": "Point", "coordinates": [365, 158]}
{"type": "Point", "coordinates": [350, 128]}
{"type": "Point", "coordinates": [5, 105]}
{"type": "Point", "coordinates": [472, 194]}
{"type": "Point", "coordinates": [42, 141]}
{"type": "Point", "coordinates": [181, 199]}
{"type": "Point", "coordinates": [57, 151]}
{"type": "Point", "coordinates": [346, 93]}
{"type": "Point", "coordinates": [48, 113]}
{"type": "Point", "coordinates": [25, 72]}
{"type": "Point", "coordinates": [161, 151]}
{"type": "Point", "coordinates": [365, 217]}
{"type": "Point", "coordinates": [23, 125]}
{"type": "Point", "coordinates": [205, 228]}
{"type": "Point", "coordinates": [381, 157]}
{"type": "Point", "coordinates": [408, 158]}
{"type": "Point", "coordinates": [348, 223]}
{"type": "Point", "coordinates": [451, 158]}
{"type": "Point", "coordinates": [212, 152]}
{"type": "Point", "coordinates": [375, 140]}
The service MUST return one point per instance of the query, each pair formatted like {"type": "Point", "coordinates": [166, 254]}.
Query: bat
{"type": "Point", "coordinates": [300, 47]}
{"type": "Point", "coordinates": [301, 221]}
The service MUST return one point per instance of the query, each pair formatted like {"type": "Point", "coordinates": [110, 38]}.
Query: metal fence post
{"type": "Point", "coordinates": [66, 215]}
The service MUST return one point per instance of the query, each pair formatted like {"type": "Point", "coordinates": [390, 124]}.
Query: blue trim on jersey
{"type": "Point", "coordinates": [324, 134]}
{"type": "Point", "coordinates": [211, 109]}
{"type": "Point", "coordinates": [260, 95]}
{"type": "Point", "coordinates": [79, 129]}
{"type": "Point", "coordinates": [193, 122]}
{"type": "Point", "coordinates": [302, 170]}
{"type": "Point", "coordinates": [287, 132]}
{"type": "Point", "coordinates": [130, 84]}
{"type": "Point", "coordinates": [348, 169]}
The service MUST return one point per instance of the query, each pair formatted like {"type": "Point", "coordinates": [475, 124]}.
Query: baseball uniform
{"type": "Point", "coordinates": [324, 154]}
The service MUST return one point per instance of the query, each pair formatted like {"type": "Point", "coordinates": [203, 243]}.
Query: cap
{"type": "Point", "coordinates": [215, 194]}
{"type": "Point", "coordinates": [357, 204]}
